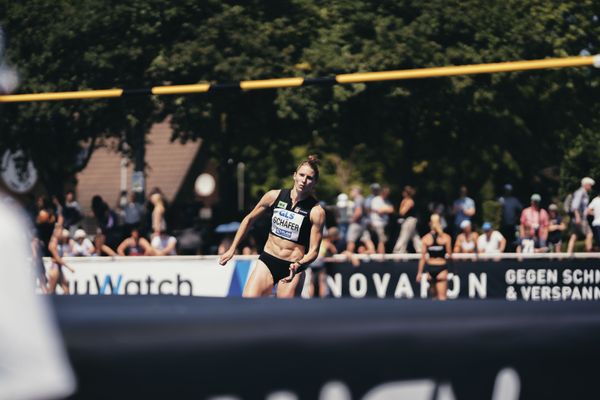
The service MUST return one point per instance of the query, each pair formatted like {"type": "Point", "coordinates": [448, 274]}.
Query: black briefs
{"type": "Point", "coordinates": [279, 268]}
{"type": "Point", "coordinates": [434, 270]}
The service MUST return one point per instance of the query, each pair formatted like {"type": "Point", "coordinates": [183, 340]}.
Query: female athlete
{"type": "Point", "coordinates": [437, 245]}
{"type": "Point", "coordinates": [294, 237]}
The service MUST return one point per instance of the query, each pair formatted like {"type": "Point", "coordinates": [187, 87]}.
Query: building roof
{"type": "Point", "coordinates": [166, 166]}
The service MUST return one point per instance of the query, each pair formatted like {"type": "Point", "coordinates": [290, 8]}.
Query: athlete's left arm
{"type": "Point", "coordinates": [317, 218]}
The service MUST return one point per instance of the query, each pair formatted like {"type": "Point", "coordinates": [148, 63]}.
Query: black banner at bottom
{"type": "Point", "coordinates": [529, 280]}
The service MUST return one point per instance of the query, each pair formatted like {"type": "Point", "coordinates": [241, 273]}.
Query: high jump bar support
{"type": "Point", "coordinates": [359, 77]}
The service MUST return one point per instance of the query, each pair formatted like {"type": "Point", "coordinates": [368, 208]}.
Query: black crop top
{"type": "Point", "coordinates": [292, 224]}
{"type": "Point", "coordinates": [436, 250]}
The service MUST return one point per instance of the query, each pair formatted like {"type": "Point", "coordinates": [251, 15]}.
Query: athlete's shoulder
{"type": "Point", "coordinates": [317, 211]}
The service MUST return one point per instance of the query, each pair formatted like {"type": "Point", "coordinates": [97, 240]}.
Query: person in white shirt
{"type": "Point", "coordinates": [491, 241]}
{"type": "Point", "coordinates": [164, 244]}
{"type": "Point", "coordinates": [594, 209]}
{"type": "Point", "coordinates": [381, 208]}
{"type": "Point", "coordinates": [81, 246]}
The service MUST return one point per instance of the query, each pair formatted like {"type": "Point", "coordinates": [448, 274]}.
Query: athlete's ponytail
{"type": "Point", "coordinates": [435, 223]}
{"type": "Point", "coordinates": [313, 162]}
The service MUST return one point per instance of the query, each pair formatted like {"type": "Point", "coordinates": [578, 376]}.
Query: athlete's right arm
{"type": "Point", "coordinates": [267, 200]}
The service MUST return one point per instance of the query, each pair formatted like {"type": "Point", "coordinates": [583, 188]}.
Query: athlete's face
{"type": "Point", "coordinates": [304, 179]}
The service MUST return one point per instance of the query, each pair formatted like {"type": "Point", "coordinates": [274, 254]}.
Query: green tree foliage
{"type": "Point", "coordinates": [66, 45]}
{"type": "Point", "coordinates": [536, 129]}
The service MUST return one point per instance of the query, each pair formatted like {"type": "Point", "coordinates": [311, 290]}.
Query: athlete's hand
{"type": "Point", "coordinates": [293, 267]}
{"type": "Point", "coordinates": [69, 268]}
{"type": "Point", "coordinates": [228, 255]}
{"type": "Point", "coordinates": [419, 277]}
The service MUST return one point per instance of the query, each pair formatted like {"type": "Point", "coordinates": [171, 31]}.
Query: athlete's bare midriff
{"type": "Point", "coordinates": [284, 249]}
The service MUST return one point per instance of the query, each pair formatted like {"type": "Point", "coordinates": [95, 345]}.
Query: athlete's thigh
{"type": "Point", "coordinates": [288, 289]}
{"type": "Point", "coordinates": [259, 282]}
{"type": "Point", "coordinates": [441, 285]}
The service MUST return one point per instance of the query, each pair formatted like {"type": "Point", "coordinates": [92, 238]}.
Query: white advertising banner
{"type": "Point", "coordinates": [182, 275]}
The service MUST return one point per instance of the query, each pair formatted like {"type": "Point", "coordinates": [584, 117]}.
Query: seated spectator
{"type": "Point", "coordinates": [81, 246]}
{"type": "Point", "coordinates": [136, 245]}
{"type": "Point", "coordinates": [491, 241]}
{"type": "Point", "coordinates": [535, 220]}
{"type": "Point", "coordinates": [529, 244]}
{"type": "Point", "coordinates": [164, 244]}
{"type": "Point", "coordinates": [556, 228]}
{"type": "Point", "coordinates": [466, 241]}
{"type": "Point", "coordinates": [102, 250]}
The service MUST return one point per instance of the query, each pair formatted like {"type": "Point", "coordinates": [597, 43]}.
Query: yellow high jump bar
{"type": "Point", "coordinates": [360, 77]}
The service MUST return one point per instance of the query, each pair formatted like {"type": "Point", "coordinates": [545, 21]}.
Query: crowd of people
{"type": "Point", "coordinates": [132, 228]}
{"type": "Point", "coordinates": [364, 223]}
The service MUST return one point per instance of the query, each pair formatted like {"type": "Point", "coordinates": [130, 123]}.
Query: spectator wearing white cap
{"type": "Point", "coordinates": [579, 225]}
{"type": "Point", "coordinates": [535, 221]}
{"type": "Point", "coordinates": [491, 241]}
{"type": "Point", "coordinates": [81, 246]}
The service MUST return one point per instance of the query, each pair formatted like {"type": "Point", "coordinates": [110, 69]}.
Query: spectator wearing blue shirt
{"type": "Point", "coordinates": [463, 209]}
{"type": "Point", "coordinates": [511, 212]}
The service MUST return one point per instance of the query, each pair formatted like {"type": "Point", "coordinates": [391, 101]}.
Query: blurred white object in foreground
{"type": "Point", "coordinates": [33, 363]}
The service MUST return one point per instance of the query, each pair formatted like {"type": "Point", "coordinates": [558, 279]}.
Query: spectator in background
{"type": "Point", "coordinates": [357, 230]}
{"type": "Point", "coordinates": [529, 243]}
{"type": "Point", "coordinates": [135, 245]}
{"type": "Point", "coordinates": [342, 211]}
{"type": "Point", "coordinates": [408, 220]}
{"type": "Point", "coordinates": [327, 248]}
{"type": "Point", "coordinates": [164, 244]}
{"type": "Point", "coordinates": [158, 212]}
{"type": "Point", "coordinates": [510, 213]}
{"type": "Point", "coordinates": [580, 228]}
{"type": "Point", "coordinates": [101, 249]}
{"type": "Point", "coordinates": [594, 210]}
{"type": "Point", "coordinates": [535, 221]}
{"type": "Point", "coordinates": [491, 241]}
{"type": "Point", "coordinates": [466, 241]}
{"type": "Point", "coordinates": [463, 209]}
{"type": "Point", "coordinates": [133, 213]}
{"type": "Point", "coordinates": [381, 208]}
{"type": "Point", "coordinates": [71, 211]}
{"type": "Point", "coordinates": [106, 220]}
{"type": "Point", "coordinates": [556, 228]}
{"type": "Point", "coordinates": [81, 246]}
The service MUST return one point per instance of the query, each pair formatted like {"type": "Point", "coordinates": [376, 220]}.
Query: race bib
{"type": "Point", "coordinates": [286, 224]}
